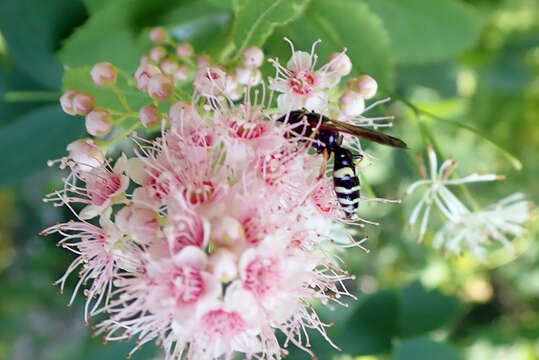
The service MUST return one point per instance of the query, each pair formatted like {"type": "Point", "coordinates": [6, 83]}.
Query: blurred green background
{"type": "Point", "coordinates": [472, 62]}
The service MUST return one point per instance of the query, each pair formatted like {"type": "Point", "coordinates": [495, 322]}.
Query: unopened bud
{"type": "Point", "coordinates": [83, 103]}
{"type": "Point", "coordinates": [252, 57]}
{"type": "Point", "coordinates": [66, 101]}
{"type": "Point", "coordinates": [160, 87]}
{"type": "Point", "coordinates": [184, 50]}
{"type": "Point", "coordinates": [144, 73]}
{"type": "Point", "coordinates": [203, 61]}
{"type": "Point", "coordinates": [157, 54]}
{"type": "Point", "coordinates": [232, 88]}
{"type": "Point", "coordinates": [98, 122]}
{"type": "Point", "coordinates": [149, 115]}
{"type": "Point", "coordinates": [210, 82]}
{"type": "Point", "coordinates": [248, 76]}
{"type": "Point", "coordinates": [158, 35]}
{"type": "Point", "coordinates": [340, 63]}
{"type": "Point", "coordinates": [169, 66]}
{"type": "Point", "coordinates": [351, 103]}
{"type": "Point", "coordinates": [222, 264]}
{"type": "Point", "coordinates": [86, 154]}
{"type": "Point", "coordinates": [183, 112]}
{"type": "Point", "coordinates": [365, 85]}
{"type": "Point", "coordinates": [182, 74]}
{"type": "Point", "coordinates": [104, 74]}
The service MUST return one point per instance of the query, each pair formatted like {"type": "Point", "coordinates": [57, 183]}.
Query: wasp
{"type": "Point", "coordinates": [326, 139]}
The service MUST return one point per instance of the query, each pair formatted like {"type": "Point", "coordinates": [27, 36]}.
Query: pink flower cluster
{"type": "Point", "coordinates": [217, 234]}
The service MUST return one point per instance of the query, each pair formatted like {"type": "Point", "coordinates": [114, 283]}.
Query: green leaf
{"type": "Point", "coordinates": [425, 30]}
{"type": "Point", "coordinates": [33, 29]}
{"type": "Point", "coordinates": [79, 78]}
{"type": "Point", "coordinates": [111, 34]}
{"type": "Point", "coordinates": [372, 326]}
{"type": "Point", "coordinates": [422, 348]}
{"type": "Point", "coordinates": [256, 20]}
{"type": "Point", "coordinates": [351, 25]}
{"type": "Point", "coordinates": [33, 139]}
{"type": "Point", "coordinates": [421, 310]}
{"type": "Point", "coordinates": [94, 6]}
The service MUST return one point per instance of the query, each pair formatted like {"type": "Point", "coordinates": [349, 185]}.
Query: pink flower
{"type": "Point", "coordinates": [300, 84]}
{"type": "Point", "coordinates": [210, 81]}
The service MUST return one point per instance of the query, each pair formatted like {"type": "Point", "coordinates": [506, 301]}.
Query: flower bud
{"type": "Point", "coordinates": [144, 73]}
{"type": "Point", "coordinates": [222, 264]}
{"type": "Point", "coordinates": [365, 85]}
{"type": "Point", "coordinates": [252, 57]}
{"type": "Point", "coordinates": [158, 35]}
{"type": "Point", "coordinates": [83, 103]}
{"type": "Point", "coordinates": [203, 61]}
{"type": "Point", "coordinates": [98, 122]}
{"type": "Point", "coordinates": [184, 50]}
{"type": "Point", "coordinates": [149, 115]}
{"type": "Point", "coordinates": [351, 103]}
{"type": "Point", "coordinates": [183, 111]}
{"type": "Point", "coordinates": [160, 87]}
{"type": "Point", "coordinates": [182, 74]}
{"type": "Point", "coordinates": [210, 82]}
{"type": "Point", "coordinates": [157, 54]}
{"type": "Point", "coordinates": [227, 231]}
{"type": "Point", "coordinates": [66, 101]}
{"type": "Point", "coordinates": [248, 76]}
{"type": "Point", "coordinates": [104, 74]}
{"type": "Point", "coordinates": [340, 63]}
{"type": "Point", "coordinates": [169, 66]}
{"type": "Point", "coordinates": [232, 88]}
{"type": "Point", "coordinates": [86, 154]}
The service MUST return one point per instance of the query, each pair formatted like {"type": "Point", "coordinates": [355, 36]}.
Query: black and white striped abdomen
{"type": "Point", "coordinates": [346, 182]}
{"type": "Point", "coordinates": [347, 189]}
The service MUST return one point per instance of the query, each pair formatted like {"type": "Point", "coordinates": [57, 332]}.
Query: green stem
{"type": "Point", "coordinates": [512, 159]}
{"type": "Point", "coordinates": [31, 96]}
{"type": "Point", "coordinates": [124, 134]}
{"type": "Point", "coordinates": [122, 98]}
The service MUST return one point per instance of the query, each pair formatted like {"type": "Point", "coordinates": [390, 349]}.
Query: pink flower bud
{"type": "Point", "coordinates": [83, 103]}
{"type": "Point", "coordinates": [104, 74]}
{"type": "Point", "coordinates": [252, 57]}
{"type": "Point", "coordinates": [351, 103]}
{"type": "Point", "coordinates": [182, 74]}
{"type": "Point", "coordinates": [66, 101]}
{"type": "Point", "coordinates": [210, 82]}
{"type": "Point", "coordinates": [340, 63]}
{"type": "Point", "coordinates": [149, 115]}
{"type": "Point", "coordinates": [182, 111]}
{"type": "Point", "coordinates": [169, 66]}
{"type": "Point", "coordinates": [144, 73]}
{"type": "Point", "coordinates": [157, 54]}
{"type": "Point", "coordinates": [184, 50]}
{"type": "Point", "coordinates": [158, 35]}
{"type": "Point", "coordinates": [226, 231]}
{"type": "Point", "coordinates": [160, 87]}
{"type": "Point", "coordinates": [232, 88]}
{"type": "Point", "coordinates": [98, 122]}
{"type": "Point", "coordinates": [222, 264]}
{"type": "Point", "coordinates": [248, 76]}
{"type": "Point", "coordinates": [367, 86]}
{"type": "Point", "coordinates": [203, 61]}
{"type": "Point", "coordinates": [86, 154]}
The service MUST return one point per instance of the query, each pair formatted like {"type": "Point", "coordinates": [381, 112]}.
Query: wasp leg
{"type": "Point", "coordinates": [325, 157]}
{"type": "Point", "coordinates": [358, 159]}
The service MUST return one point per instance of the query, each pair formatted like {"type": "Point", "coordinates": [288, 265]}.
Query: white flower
{"type": "Point", "coordinates": [437, 193]}
{"type": "Point", "coordinates": [475, 230]}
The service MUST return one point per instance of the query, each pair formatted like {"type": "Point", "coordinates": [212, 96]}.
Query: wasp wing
{"type": "Point", "coordinates": [363, 132]}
